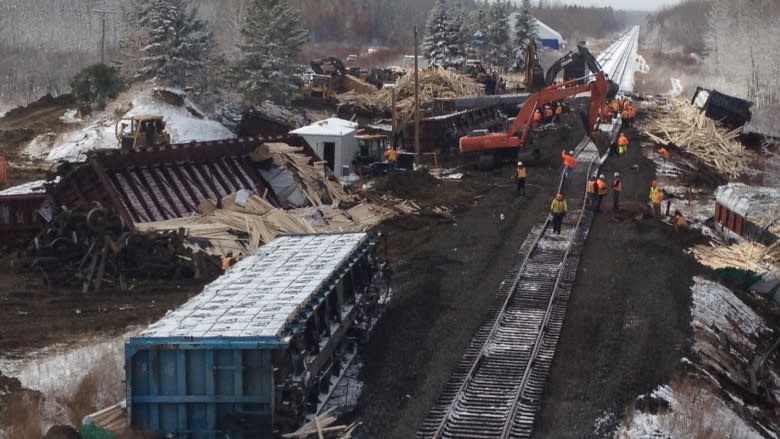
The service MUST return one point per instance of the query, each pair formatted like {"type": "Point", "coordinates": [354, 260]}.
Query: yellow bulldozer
{"type": "Point", "coordinates": [140, 132]}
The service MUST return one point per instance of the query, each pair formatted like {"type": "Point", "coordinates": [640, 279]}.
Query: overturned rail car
{"type": "Point", "coordinates": [256, 351]}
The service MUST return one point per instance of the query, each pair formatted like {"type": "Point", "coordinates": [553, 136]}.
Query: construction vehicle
{"type": "Point", "coordinates": [143, 131]}
{"type": "Point", "coordinates": [496, 147]}
{"type": "Point", "coordinates": [572, 63]}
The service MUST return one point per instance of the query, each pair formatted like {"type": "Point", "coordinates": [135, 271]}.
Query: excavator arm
{"type": "Point", "coordinates": [522, 123]}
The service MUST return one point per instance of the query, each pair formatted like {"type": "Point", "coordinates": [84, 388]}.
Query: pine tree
{"type": "Point", "coordinates": [477, 29]}
{"type": "Point", "coordinates": [499, 45]}
{"type": "Point", "coordinates": [272, 36]}
{"type": "Point", "coordinates": [436, 47]}
{"type": "Point", "coordinates": [458, 31]}
{"type": "Point", "coordinates": [178, 43]}
{"type": "Point", "coordinates": [525, 32]}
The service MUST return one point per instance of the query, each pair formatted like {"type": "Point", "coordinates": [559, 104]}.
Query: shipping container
{"type": "Point", "coordinates": [252, 354]}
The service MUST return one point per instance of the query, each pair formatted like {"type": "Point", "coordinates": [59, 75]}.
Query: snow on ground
{"type": "Point", "coordinates": [725, 330]}
{"type": "Point", "coordinates": [184, 124]}
{"type": "Point", "coordinates": [33, 187]}
{"type": "Point", "coordinates": [677, 88]}
{"type": "Point", "coordinates": [58, 372]}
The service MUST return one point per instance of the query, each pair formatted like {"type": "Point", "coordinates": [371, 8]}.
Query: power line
{"type": "Point", "coordinates": [103, 13]}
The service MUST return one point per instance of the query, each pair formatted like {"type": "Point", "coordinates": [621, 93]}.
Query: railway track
{"type": "Point", "coordinates": [497, 387]}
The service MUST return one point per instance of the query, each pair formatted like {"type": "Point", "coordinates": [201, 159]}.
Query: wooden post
{"type": "Point", "coordinates": [416, 104]}
{"type": "Point", "coordinates": [392, 116]}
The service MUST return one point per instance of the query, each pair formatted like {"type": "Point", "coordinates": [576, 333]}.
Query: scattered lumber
{"type": "Point", "coordinates": [686, 127]}
{"type": "Point", "coordinates": [322, 427]}
{"type": "Point", "coordinates": [750, 256]}
{"type": "Point", "coordinates": [434, 82]}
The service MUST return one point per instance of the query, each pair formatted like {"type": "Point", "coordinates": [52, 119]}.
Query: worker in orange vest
{"type": "Point", "coordinates": [606, 114]}
{"type": "Point", "coordinates": [558, 209]}
{"type": "Point", "coordinates": [601, 191]}
{"type": "Point", "coordinates": [631, 115]}
{"type": "Point", "coordinates": [569, 163]}
{"type": "Point", "coordinates": [391, 156]}
{"type": "Point", "coordinates": [656, 198]}
{"type": "Point", "coordinates": [227, 261]}
{"type": "Point", "coordinates": [617, 186]}
{"type": "Point", "coordinates": [590, 189]}
{"type": "Point", "coordinates": [520, 175]}
{"type": "Point", "coordinates": [622, 143]}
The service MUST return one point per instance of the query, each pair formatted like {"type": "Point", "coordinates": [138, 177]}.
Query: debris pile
{"type": "Point", "coordinates": [94, 247]}
{"type": "Point", "coordinates": [322, 427]}
{"type": "Point", "coordinates": [689, 129]}
{"type": "Point", "coordinates": [435, 82]}
{"type": "Point", "coordinates": [749, 256]}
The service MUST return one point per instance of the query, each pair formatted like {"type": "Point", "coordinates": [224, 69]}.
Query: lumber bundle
{"type": "Point", "coordinates": [435, 82]}
{"type": "Point", "coordinates": [322, 427]}
{"type": "Point", "coordinates": [686, 127]}
{"type": "Point", "coordinates": [241, 229]}
{"type": "Point", "coordinates": [750, 256]}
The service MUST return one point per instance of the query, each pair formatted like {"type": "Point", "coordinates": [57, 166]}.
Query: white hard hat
{"type": "Point", "coordinates": [519, 163]}
{"type": "Point", "coordinates": [571, 152]}
{"type": "Point", "coordinates": [601, 176]}
{"type": "Point", "coordinates": [617, 174]}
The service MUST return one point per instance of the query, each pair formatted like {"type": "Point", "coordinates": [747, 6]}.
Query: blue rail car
{"type": "Point", "coordinates": [252, 354]}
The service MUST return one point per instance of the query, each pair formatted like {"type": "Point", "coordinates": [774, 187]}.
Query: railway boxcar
{"type": "Point", "coordinates": [256, 350]}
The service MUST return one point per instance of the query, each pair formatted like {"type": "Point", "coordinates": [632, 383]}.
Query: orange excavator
{"type": "Point", "coordinates": [505, 144]}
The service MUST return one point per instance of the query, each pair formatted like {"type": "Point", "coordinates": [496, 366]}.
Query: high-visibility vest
{"type": "Point", "coordinates": [559, 110]}
{"type": "Point", "coordinates": [558, 206]}
{"type": "Point", "coordinates": [622, 140]}
{"type": "Point", "coordinates": [602, 186]}
{"type": "Point", "coordinates": [521, 172]}
{"type": "Point", "coordinates": [569, 161]}
{"type": "Point", "coordinates": [658, 196]}
{"type": "Point", "coordinates": [617, 185]}
{"type": "Point", "coordinates": [391, 155]}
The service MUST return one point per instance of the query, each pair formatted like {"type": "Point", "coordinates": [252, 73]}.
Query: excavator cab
{"type": "Point", "coordinates": [140, 132]}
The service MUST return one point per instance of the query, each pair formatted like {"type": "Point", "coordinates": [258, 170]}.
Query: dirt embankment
{"type": "Point", "coordinates": [22, 124]}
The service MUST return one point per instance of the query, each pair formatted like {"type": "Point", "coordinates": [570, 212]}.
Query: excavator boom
{"type": "Point", "coordinates": [522, 123]}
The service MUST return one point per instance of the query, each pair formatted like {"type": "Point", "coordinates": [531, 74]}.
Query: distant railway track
{"type": "Point", "coordinates": [497, 387]}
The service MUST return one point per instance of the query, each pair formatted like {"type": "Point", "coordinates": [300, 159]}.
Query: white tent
{"type": "Point", "coordinates": [548, 36]}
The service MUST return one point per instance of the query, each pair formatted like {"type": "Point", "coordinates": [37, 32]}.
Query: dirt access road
{"type": "Point", "coordinates": [626, 324]}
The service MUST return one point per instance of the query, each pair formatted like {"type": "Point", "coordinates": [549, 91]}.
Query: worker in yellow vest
{"type": "Point", "coordinates": [601, 192]}
{"type": "Point", "coordinates": [558, 209]}
{"type": "Point", "coordinates": [520, 176]}
{"type": "Point", "coordinates": [656, 198]}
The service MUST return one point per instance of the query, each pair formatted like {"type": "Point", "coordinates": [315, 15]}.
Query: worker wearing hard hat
{"type": "Point", "coordinates": [520, 175]}
{"type": "Point", "coordinates": [391, 156]}
{"type": "Point", "coordinates": [622, 143]}
{"type": "Point", "coordinates": [617, 186]}
{"type": "Point", "coordinates": [558, 209]}
{"type": "Point", "coordinates": [601, 192]}
{"type": "Point", "coordinates": [569, 163]}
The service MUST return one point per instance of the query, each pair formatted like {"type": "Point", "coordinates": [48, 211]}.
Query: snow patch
{"type": "Point", "coordinates": [33, 187]}
{"type": "Point", "coordinates": [677, 88]}
{"type": "Point", "coordinates": [40, 146]}
{"type": "Point", "coordinates": [70, 117]}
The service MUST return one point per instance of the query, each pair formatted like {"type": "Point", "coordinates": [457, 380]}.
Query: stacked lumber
{"type": "Point", "coordinates": [240, 228]}
{"type": "Point", "coordinates": [686, 127]}
{"type": "Point", "coordinates": [322, 427]}
{"type": "Point", "coordinates": [435, 82]}
{"type": "Point", "coordinates": [750, 256]}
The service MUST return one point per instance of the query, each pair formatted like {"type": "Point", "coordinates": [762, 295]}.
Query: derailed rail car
{"type": "Point", "coordinates": [251, 355]}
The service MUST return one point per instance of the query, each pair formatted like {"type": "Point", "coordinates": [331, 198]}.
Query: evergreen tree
{"type": "Point", "coordinates": [525, 32]}
{"type": "Point", "coordinates": [177, 43]}
{"type": "Point", "coordinates": [499, 44]}
{"type": "Point", "coordinates": [458, 30]}
{"type": "Point", "coordinates": [476, 42]}
{"type": "Point", "coordinates": [436, 45]}
{"type": "Point", "coordinates": [272, 36]}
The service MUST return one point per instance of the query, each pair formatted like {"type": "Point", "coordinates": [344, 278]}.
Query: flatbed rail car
{"type": "Point", "coordinates": [255, 352]}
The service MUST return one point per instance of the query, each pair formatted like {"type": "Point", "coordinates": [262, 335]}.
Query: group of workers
{"type": "Point", "coordinates": [548, 114]}
{"type": "Point", "coordinates": [622, 106]}
{"type": "Point", "coordinates": [597, 190]}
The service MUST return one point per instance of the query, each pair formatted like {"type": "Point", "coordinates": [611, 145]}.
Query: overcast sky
{"type": "Point", "coordinates": [644, 5]}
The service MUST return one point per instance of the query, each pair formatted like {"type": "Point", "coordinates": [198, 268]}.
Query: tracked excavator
{"type": "Point", "coordinates": [497, 147]}
{"type": "Point", "coordinates": [573, 64]}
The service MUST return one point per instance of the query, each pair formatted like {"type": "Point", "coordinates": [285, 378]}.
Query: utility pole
{"type": "Point", "coordinates": [103, 12]}
{"type": "Point", "coordinates": [416, 104]}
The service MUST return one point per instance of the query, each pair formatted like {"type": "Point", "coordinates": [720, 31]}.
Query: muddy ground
{"type": "Point", "coordinates": [627, 320]}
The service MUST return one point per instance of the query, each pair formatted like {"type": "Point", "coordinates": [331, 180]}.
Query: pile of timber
{"type": "Point", "coordinates": [435, 82]}
{"type": "Point", "coordinates": [750, 256]}
{"type": "Point", "coordinates": [322, 427]}
{"type": "Point", "coordinates": [240, 227]}
{"type": "Point", "coordinates": [686, 127]}
{"type": "Point", "coordinates": [312, 178]}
